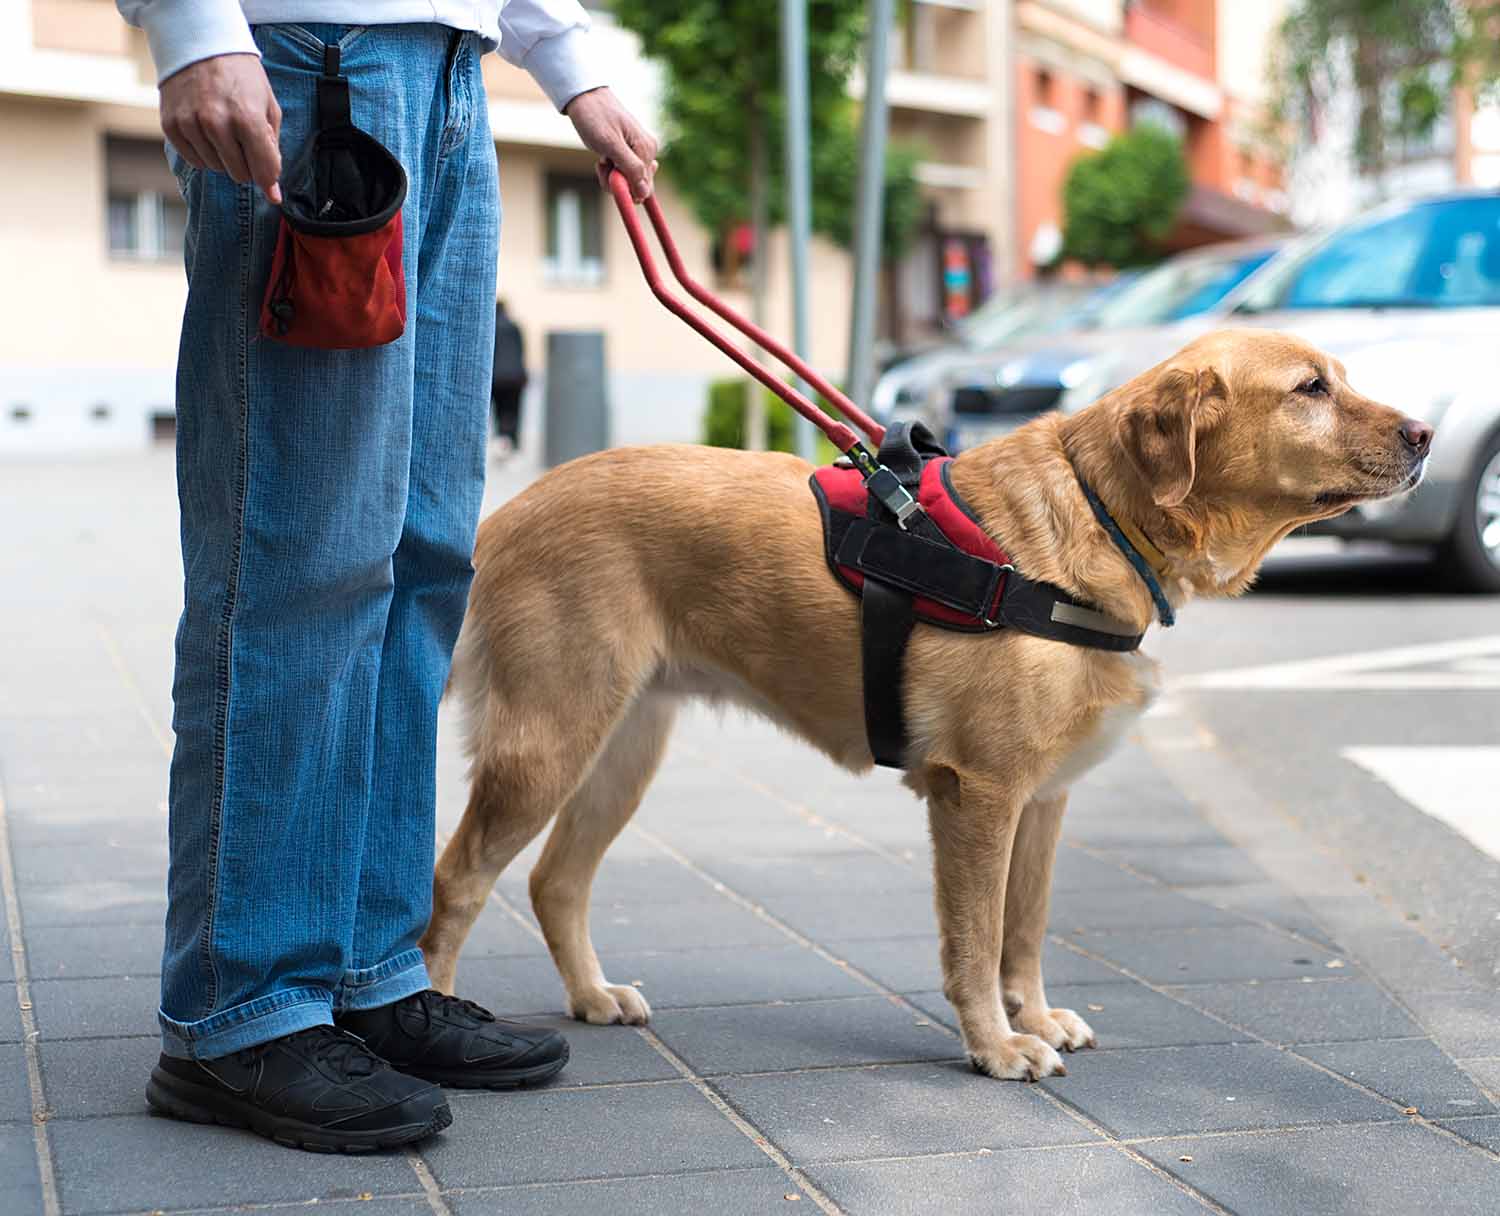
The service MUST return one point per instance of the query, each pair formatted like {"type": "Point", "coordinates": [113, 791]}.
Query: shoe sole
{"type": "Point", "coordinates": [179, 1099]}
{"type": "Point", "coordinates": [539, 1074]}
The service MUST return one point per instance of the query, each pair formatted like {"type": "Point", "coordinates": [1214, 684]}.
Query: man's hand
{"type": "Point", "coordinates": [220, 114]}
{"type": "Point", "coordinates": [608, 129]}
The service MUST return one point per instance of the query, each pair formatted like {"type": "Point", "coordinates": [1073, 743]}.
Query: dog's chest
{"type": "Point", "coordinates": [1111, 726]}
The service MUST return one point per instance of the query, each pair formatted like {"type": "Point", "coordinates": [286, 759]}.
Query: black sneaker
{"type": "Point", "coordinates": [320, 1089]}
{"type": "Point", "coordinates": [441, 1038]}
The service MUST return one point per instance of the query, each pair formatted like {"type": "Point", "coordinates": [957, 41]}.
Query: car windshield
{"type": "Point", "coordinates": [1181, 288]}
{"type": "Point", "coordinates": [1432, 255]}
{"type": "Point", "coordinates": [1014, 316]}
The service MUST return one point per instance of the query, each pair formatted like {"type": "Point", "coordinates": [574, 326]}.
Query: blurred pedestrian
{"type": "Point", "coordinates": [507, 381]}
{"type": "Point", "coordinates": [329, 499]}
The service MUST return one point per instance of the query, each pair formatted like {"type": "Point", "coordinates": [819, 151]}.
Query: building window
{"type": "Point", "coordinates": [575, 231]}
{"type": "Point", "coordinates": [1045, 116]}
{"type": "Point", "coordinates": [145, 216]}
{"type": "Point", "coordinates": [1147, 109]}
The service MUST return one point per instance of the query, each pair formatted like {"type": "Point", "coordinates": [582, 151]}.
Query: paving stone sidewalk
{"type": "Point", "coordinates": [778, 915]}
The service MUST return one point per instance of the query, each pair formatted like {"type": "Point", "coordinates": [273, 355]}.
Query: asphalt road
{"type": "Point", "coordinates": [1355, 697]}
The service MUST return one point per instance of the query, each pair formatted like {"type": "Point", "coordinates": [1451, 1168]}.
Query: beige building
{"type": "Point", "coordinates": [91, 225]}
{"type": "Point", "coordinates": [91, 231]}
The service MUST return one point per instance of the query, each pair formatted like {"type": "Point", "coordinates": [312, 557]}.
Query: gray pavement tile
{"type": "Point", "coordinates": [1265, 901]}
{"type": "Point", "coordinates": [855, 871]}
{"type": "Point", "coordinates": [563, 1135]}
{"type": "Point", "coordinates": [139, 1162]}
{"type": "Point", "coordinates": [413, 1205]}
{"type": "Point", "coordinates": [867, 914]}
{"type": "Point", "coordinates": [1061, 1182]}
{"type": "Point", "coordinates": [703, 922]}
{"type": "Point", "coordinates": [47, 864]}
{"type": "Point", "coordinates": [10, 1014]}
{"type": "Point", "coordinates": [1465, 1023]}
{"type": "Point", "coordinates": [741, 1192]}
{"type": "Point", "coordinates": [86, 1077]}
{"type": "Point", "coordinates": [1142, 907]}
{"type": "Point", "coordinates": [1121, 1015]}
{"type": "Point", "coordinates": [674, 979]}
{"type": "Point", "coordinates": [511, 984]}
{"type": "Point", "coordinates": [1193, 864]}
{"type": "Point", "coordinates": [101, 902]}
{"type": "Point", "coordinates": [103, 1008]}
{"type": "Point", "coordinates": [1296, 1011]}
{"type": "Point", "coordinates": [85, 828]}
{"type": "Point", "coordinates": [1075, 870]}
{"type": "Point", "coordinates": [1410, 963]}
{"type": "Point", "coordinates": [1141, 824]}
{"type": "Point", "coordinates": [1485, 1130]}
{"type": "Point", "coordinates": [18, 1169]}
{"type": "Point", "coordinates": [766, 1038]}
{"type": "Point", "coordinates": [83, 951]}
{"type": "Point", "coordinates": [1178, 1090]}
{"type": "Point", "coordinates": [496, 934]}
{"type": "Point", "coordinates": [653, 879]}
{"type": "Point", "coordinates": [1411, 1072]}
{"type": "Point", "coordinates": [911, 964]}
{"type": "Point", "coordinates": [1485, 1072]}
{"type": "Point", "coordinates": [15, 1089]}
{"type": "Point", "coordinates": [1199, 956]}
{"type": "Point", "coordinates": [599, 1055]}
{"type": "Point", "coordinates": [847, 1114]}
{"type": "Point", "coordinates": [1335, 1171]}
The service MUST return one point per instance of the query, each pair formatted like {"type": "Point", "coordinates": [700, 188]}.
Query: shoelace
{"type": "Point", "coordinates": [448, 1006]}
{"type": "Point", "coordinates": [344, 1052]}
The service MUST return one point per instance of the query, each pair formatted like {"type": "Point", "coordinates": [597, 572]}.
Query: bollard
{"type": "Point", "coordinates": [577, 414]}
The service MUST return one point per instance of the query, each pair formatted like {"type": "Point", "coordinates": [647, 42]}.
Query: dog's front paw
{"type": "Point", "coordinates": [610, 1004]}
{"type": "Point", "coordinates": [1017, 1057]}
{"type": "Point", "coordinates": [1061, 1029]}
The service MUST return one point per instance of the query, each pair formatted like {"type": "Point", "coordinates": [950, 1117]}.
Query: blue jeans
{"type": "Point", "coordinates": [329, 502]}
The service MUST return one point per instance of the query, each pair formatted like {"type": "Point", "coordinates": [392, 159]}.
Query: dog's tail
{"type": "Point", "coordinates": [468, 678]}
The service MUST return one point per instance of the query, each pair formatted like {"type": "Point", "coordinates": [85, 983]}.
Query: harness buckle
{"type": "Point", "coordinates": [892, 495]}
{"type": "Point", "coordinates": [1003, 569]}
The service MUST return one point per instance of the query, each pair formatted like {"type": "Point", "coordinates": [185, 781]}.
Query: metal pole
{"type": "Point", "coordinates": [869, 204]}
{"type": "Point", "coordinates": [799, 186]}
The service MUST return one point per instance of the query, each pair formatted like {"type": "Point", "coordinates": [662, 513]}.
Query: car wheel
{"type": "Point", "coordinates": [1472, 551]}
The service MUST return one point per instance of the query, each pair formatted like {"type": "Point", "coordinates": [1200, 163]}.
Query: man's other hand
{"type": "Point", "coordinates": [609, 130]}
{"type": "Point", "coordinates": [220, 114]}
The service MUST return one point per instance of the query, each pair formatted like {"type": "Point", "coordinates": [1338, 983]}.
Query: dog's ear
{"type": "Point", "coordinates": [1159, 430]}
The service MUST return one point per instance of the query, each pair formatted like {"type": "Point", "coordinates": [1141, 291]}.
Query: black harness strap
{"type": "Point", "coordinates": [901, 564]}
{"type": "Point", "coordinates": [886, 613]}
{"type": "Point", "coordinates": [885, 618]}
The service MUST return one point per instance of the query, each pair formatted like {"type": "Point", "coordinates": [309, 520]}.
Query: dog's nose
{"type": "Point", "coordinates": [1416, 435]}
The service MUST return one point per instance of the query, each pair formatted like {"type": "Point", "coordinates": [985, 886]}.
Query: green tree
{"type": "Point", "coordinates": [724, 118]}
{"type": "Point", "coordinates": [1402, 59]}
{"type": "Point", "coordinates": [1120, 203]}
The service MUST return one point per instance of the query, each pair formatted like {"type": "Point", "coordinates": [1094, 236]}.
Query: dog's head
{"type": "Point", "coordinates": [1245, 434]}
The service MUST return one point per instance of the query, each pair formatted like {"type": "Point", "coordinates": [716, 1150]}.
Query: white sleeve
{"type": "Point", "coordinates": [549, 38]}
{"type": "Point", "coordinates": [181, 32]}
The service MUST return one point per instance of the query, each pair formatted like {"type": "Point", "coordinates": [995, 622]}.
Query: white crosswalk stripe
{"type": "Point", "coordinates": [1458, 785]}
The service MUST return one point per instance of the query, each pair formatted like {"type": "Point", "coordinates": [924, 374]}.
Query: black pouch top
{"type": "Point", "coordinates": [344, 181]}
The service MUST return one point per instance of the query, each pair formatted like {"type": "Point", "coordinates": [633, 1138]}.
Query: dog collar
{"type": "Point", "coordinates": [1146, 558]}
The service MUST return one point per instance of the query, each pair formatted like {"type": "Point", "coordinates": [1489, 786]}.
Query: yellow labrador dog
{"type": "Point", "coordinates": [600, 603]}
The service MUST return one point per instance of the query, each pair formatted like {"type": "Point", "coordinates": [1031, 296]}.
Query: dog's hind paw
{"type": "Point", "coordinates": [1017, 1057]}
{"type": "Point", "coordinates": [1061, 1029]}
{"type": "Point", "coordinates": [611, 1004]}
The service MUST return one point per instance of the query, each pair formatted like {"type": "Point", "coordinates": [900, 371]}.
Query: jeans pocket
{"type": "Point", "coordinates": [181, 169]}
{"type": "Point", "coordinates": [303, 42]}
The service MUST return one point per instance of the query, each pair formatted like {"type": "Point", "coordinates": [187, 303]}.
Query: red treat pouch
{"type": "Point", "coordinates": [336, 278]}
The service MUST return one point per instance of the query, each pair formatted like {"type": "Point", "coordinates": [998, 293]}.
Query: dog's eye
{"type": "Point", "coordinates": [1314, 387]}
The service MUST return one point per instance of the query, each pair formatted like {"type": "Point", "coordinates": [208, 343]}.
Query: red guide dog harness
{"type": "Point", "coordinates": [942, 569]}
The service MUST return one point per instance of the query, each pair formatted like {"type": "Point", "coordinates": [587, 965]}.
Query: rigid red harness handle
{"type": "Point", "coordinates": [843, 438]}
